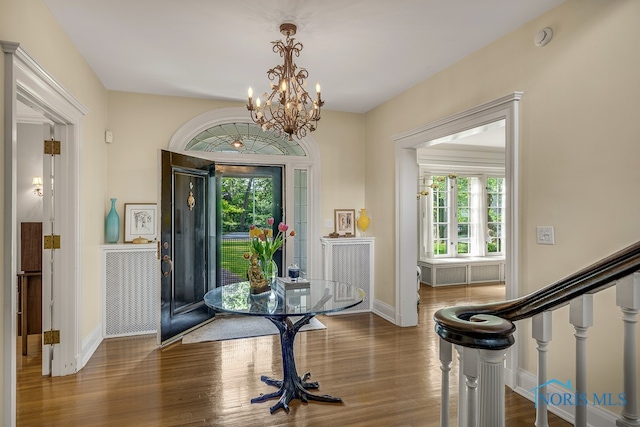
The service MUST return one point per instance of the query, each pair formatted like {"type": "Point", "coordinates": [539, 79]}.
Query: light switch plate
{"type": "Point", "coordinates": [545, 235]}
{"type": "Point", "coordinates": [328, 223]}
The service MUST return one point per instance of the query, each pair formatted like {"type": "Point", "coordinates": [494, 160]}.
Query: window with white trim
{"type": "Point", "coordinates": [495, 215]}
{"type": "Point", "coordinates": [464, 216]}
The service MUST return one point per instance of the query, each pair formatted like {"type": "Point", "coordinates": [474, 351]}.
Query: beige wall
{"type": "Point", "coordinates": [579, 132]}
{"type": "Point", "coordinates": [143, 124]}
{"type": "Point", "coordinates": [30, 24]}
{"type": "Point", "coordinates": [579, 158]}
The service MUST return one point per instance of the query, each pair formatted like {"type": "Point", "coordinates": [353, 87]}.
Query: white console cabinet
{"type": "Point", "coordinates": [129, 289]}
{"type": "Point", "coordinates": [350, 260]}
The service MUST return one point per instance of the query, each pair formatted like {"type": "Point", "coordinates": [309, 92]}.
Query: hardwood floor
{"type": "Point", "coordinates": [386, 375]}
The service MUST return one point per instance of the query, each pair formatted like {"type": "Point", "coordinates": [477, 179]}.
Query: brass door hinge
{"type": "Point", "coordinates": [52, 242]}
{"type": "Point", "coordinates": [51, 337]}
{"type": "Point", "coordinates": [52, 147]}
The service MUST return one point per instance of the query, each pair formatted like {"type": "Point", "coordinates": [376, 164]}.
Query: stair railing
{"type": "Point", "coordinates": [481, 335]}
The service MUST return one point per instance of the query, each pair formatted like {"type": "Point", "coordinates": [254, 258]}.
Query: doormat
{"type": "Point", "coordinates": [235, 327]}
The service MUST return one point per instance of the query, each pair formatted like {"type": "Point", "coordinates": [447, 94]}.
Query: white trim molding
{"type": "Point", "coordinates": [26, 81]}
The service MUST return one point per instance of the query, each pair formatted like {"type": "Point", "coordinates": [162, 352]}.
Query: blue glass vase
{"type": "Point", "coordinates": [112, 225]}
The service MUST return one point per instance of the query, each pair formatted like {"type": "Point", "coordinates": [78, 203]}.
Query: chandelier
{"type": "Point", "coordinates": [289, 109]}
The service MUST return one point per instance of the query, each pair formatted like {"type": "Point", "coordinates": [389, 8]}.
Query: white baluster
{"type": "Point", "coordinates": [581, 317]}
{"type": "Point", "coordinates": [462, 390]}
{"type": "Point", "coordinates": [470, 370]}
{"type": "Point", "coordinates": [491, 388]}
{"type": "Point", "coordinates": [445, 367]}
{"type": "Point", "coordinates": [541, 332]}
{"type": "Point", "coordinates": [628, 299]}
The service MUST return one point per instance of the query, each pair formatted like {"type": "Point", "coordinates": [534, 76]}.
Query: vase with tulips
{"type": "Point", "coordinates": [263, 245]}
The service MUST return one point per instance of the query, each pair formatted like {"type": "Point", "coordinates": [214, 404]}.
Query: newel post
{"type": "Point", "coordinates": [491, 388]}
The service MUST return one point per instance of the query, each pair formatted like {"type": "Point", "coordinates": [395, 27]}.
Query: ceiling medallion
{"type": "Point", "coordinates": [289, 109]}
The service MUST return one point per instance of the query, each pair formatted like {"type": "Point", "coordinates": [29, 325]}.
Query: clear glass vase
{"type": "Point", "coordinates": [269, 271]}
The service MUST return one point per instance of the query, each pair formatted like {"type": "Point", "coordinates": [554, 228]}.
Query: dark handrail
{"type": "Point", "coordinates": [490, 326]}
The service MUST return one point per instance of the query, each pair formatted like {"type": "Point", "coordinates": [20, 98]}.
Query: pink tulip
{"type": "Point", "coordinates": [251, 227]}
{"type": "Point", "coordinates": [282, 227]}
{"type": "Point", "coordinates": [270, 221]}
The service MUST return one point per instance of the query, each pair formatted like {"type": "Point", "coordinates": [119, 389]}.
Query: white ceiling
{"type": "Point", "coordinates": [363, 52]}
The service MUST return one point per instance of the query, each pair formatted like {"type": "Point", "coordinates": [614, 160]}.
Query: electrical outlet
{"type": "Point", "coordinates": [545, 235]}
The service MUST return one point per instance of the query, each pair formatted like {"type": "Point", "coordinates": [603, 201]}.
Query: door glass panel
{"type": "Point", "coordinates": [300, 204]}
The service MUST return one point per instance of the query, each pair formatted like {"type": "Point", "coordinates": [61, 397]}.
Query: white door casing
{"type": "Point", "coordinates": [27, 81]}
{"type": "Point", "coordinates": [406, 215]}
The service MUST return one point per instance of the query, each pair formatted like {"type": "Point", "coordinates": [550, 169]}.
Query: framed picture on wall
{"type": "Point", "coordinates": [345, 222]}
{"type": "Point", "coordinates": [140, 220]}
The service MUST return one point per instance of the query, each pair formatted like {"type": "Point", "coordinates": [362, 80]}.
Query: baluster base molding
{"type": "Point", "coordinates": [628, 423]}
{"type": "Point", "coordinates": [597, 416]}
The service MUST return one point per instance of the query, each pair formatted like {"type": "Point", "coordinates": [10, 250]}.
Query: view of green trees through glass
{"type": "Point", "coordinates": [495, 195]}
{"type": "Point", "coordinates": [463, 211]}
{"type": "Point", "coordinates": [245, 201]}
{"type": "Point", "coordinates": [440, 215]}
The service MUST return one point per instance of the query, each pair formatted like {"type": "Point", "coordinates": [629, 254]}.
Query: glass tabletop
{"type": "Point", "coordinates": [311, 297]}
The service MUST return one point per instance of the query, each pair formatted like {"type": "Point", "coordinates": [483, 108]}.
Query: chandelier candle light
{"type": "Point", "coordinates": [289, 109]}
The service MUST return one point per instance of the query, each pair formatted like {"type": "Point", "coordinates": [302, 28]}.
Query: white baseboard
{"type": "Point", "coordinates": [90, 345]}
{"type": "Point", "coordinates": [384, 310]}
{"type": "Point", "coordinates": [597, 416]}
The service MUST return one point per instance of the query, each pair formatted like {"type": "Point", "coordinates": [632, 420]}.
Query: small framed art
{"type": "Point", "coordinates": [345, 222]}
{"type": "Point", "coordinates": [140, 220]}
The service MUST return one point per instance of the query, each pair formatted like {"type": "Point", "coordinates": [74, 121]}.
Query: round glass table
{"type": "Point", "coordinates": [301, 300]}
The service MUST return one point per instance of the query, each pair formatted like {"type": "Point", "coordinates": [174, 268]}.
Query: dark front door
{"type": "Point", "coordinates": [187, 245]}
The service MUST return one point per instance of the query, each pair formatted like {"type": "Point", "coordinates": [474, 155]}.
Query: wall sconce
{"type": "Point", "coordinates": [37, 182]}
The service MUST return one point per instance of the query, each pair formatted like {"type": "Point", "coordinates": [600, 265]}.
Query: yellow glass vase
{"type": "Point", "coordinates": [363, 221]}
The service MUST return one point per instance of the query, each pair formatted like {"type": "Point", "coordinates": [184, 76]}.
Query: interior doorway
{"type": "Point", "coordinates": [27, 82]}
{"type": "Point", "coordinates": [407, 173]}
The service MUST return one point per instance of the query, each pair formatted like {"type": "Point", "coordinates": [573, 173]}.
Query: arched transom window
{"type": "Point", "coordinates": [243, 138]}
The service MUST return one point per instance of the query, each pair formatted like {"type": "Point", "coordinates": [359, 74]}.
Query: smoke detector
{"type": "Point", "coordinates": [543, 37]}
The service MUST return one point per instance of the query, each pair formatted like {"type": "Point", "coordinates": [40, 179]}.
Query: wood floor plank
{"type": "Point", "coordinates": [386, 375]}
